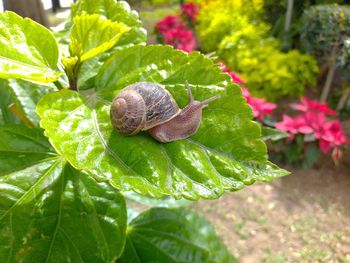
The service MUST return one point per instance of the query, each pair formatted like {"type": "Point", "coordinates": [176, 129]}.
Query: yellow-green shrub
{"type": "Point", "coordinates": [269, 72]}
{"type": "Point", "coordinates": [242, 41]}
{"type": "Point", "coordinates": [218, 19]}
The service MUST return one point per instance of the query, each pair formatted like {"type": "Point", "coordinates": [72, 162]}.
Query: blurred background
{"type": "Point", "coordinates": [291, 58]}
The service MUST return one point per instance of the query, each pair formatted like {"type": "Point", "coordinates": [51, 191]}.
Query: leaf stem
{"type": "Point", "coordinates": [58, 85]}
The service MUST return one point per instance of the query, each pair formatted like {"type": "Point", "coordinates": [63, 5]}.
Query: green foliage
{"type": "Point", "coordinates": [303, 152]}
{"type": "Point", "coordinates": [26, 96]}
{"type": "Point", "coordinates": [242, 42]}
{"type": "Point", "coordinates": [6, 100]}
{"type": "Point", "coordinates": [115, 11]}
{"type": "Point", "coordinates": [201, 163]}
{"type": "Point", "coordinates": [59, 187]}
{"type": "Point", "coordinates": [218, 19]}
{"type": "Point", "coordinates": [51, 212]}
{"type": "Point", "coordinates": [92, 36]}
{"type": "Point", "coordinates": [272, 134]}
{"type": "Point", "coordinates": [326, 33]}
{"type": "Point", "coordinates": [28, 50]}
{"type": "Point", "coordinates": [274, 13]}
{"type": "Point", "coordinates": [174, 235]}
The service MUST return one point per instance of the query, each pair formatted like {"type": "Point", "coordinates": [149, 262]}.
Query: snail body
{"type": "Point", "coordinates": [149, 106]}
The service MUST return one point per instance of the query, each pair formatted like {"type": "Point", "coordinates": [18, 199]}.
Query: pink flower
{"type": "Point", "coordinates": [245, 93]}
{"type": "Point", "coordinates": [190, 10]}
{"type": "Point", "coordinates": [294, 125]}
{"type": "Point", "coordinates": [260, 107]}
{"type": "Point", "coordinates": [181, 39]}
{"type": "Point", "coordinates": [315, 121]}
{"type": "Point", "coordinates": [313, 105]}
{"type": "Point", "coordinates": [169, 23]}
{"type": "Point", "coordinates": [234, 76]}
{"type": "Point", "coordinates": [237, 79]}
{"type": "Point", "coordinates": [332, 136]}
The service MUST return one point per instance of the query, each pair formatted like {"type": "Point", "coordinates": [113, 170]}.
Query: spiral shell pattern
{"type": "Point", "coordinates": [141, 106]}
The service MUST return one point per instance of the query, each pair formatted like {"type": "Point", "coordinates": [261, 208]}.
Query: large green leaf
{"type": "Point", "coordinates": [225, 154]}
{"type": "Point", "coordinates": [92, 35]}
{"type": "Point", "coordinates": [50, 212]}
{"type": "Point", "coordinates": [116, 11]}
{"type": "Point", "coordinates": [173, 235]}
{"type": "Point", "coordinates": [166, 201]}
{"type": "Point", "coordinates": [27, 50]}
{"type": "Point", "coordinates": [27, 95]}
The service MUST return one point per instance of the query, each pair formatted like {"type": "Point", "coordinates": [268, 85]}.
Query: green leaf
{"type": "Point", "coordinates": [6, 100]}
{"type": "Point", "coordinates": [92, 35]}
{"type": "Point", "coordinates": [173, 235]}
{"type": "Point", "coordinates": [50, 212]}
{"type": "Point", "coordinates": [312, 154]}
{"type": "Point", "coordinates": [27, 50]}
{"type": "Point", "coordinates": [27, 95]}
{"type": "Point", "coordinates": [116, 11]}
{"type": "Point", "coordinates": [22, 147]}
{"type": "Point", "coordinates": [166, 201]}
{"type": "Point", "coordinates": [224, 155]}
{"type": "Point", "coordinates": [272, 134]}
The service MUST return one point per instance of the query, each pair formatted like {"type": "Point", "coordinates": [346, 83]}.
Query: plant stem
{"type": "Point", "coordinates": [343, 99]}
{"type": "Point", "coordinates": [58, 85]}
{"type": "Point", "coordinates": [288, 16]}
{"type": "Point", "coordinates": [329, 80]}
{"type": "Point", "coordinates": [287, 24]}
{"type": "Point", "coordinates": [73, 83]}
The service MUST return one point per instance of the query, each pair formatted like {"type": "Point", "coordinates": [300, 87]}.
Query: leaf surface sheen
{"type": "Point", "coordinates": [91, 35]}
{"type": "Point", "coordinates": [173, 235]}
{"type": "Point", "coordinates": [50, 212]}
{"type": "Point", "coordinates": [27, 50]}
{"type": "Point", "coordinates": [115, 11]}
{"type": "Point", "coordinates": [224, 155]}
{"type": "Point", "coordinates": [27, 95]}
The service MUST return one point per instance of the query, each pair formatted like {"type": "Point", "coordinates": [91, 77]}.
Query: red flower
{"type": "Point", "coordinates": [190, 10]}
{"type": "Point", "coordinates": [316, 121]}
{"type": "Point", "coordinates": [169, 23]}
{"type": "Point", "coordinates": [234, 76]}
{"type": "Point", "coordinates": [332, 136]}
{"type": "Point", "coordinates": [294, 125]}
{"type": "Point", "coordinates": [260, 106]}
{"type": "Point", "coordinates": [313, 105]}
{"type": "Point", "coordinates": [245, 93]}
{"type": "Point", "coordinates": [237, 79]}
{"type": "Point", "coordinates": [181, 39]}
{"type": "Point", "coordinates": [313, 120]}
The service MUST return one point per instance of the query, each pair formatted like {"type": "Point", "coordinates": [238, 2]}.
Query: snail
{"type": "Point", "coordinates": [149, 106]}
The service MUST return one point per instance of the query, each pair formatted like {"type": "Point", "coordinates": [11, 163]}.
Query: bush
{"type": "Point", "coordinates": [218, 19]}
{"type": "Point", "coordinates": [326, 34]}
{"type": "Point", "coordinates": [242, 42]}
{"type": "Point", "coordinates": [271, 73]}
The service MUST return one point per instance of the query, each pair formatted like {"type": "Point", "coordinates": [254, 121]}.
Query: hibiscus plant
{"type": "Point", "coordinates": [65, 174]}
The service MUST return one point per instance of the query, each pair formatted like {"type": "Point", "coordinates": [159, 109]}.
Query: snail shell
{"type": "Point", "coordinates": [141, 106]}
